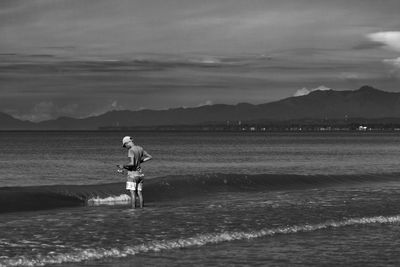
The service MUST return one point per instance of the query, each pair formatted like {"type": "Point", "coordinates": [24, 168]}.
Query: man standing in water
{"type": "Point", "coordinates": [136, 155]}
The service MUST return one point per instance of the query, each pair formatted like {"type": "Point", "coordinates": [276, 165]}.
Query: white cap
{"type": "Point", "coordinates": [126, 139]}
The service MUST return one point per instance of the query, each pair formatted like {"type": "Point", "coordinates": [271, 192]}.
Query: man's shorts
{"type": "Point", "coordinates": [135, 181]}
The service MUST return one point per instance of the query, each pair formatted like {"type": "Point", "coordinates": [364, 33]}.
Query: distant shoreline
{"type": "Point", "coordinates": [262, 128]}
{"type": "Point", "coordinates": [246, 128]}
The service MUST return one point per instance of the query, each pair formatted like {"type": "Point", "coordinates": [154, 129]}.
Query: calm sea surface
{"type": "Point", "coordinates": [38, 158]}
{"type": "Point", "coordinates": [354, 223]}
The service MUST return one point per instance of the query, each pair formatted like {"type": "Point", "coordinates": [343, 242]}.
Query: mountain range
{"type": "Point", "coordinates": [366, 102]}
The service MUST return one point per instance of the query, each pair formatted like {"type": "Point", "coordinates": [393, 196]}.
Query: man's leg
{"type": "Point", "coordinates": [131, 187]}
{"type": "Point", "coordinates": [139, 192]}
{"type": "Point", "coordinates": [140, 198]}
{"type": "Point", "coordinates": [133, 199]}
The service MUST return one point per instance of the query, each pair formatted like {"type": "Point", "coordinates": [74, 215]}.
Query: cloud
{"type": "Point", "coordinates": [394, 65]}
{"type": "Point", "coordinates": [206, 103]}
{"type": "Point", "coordinates": [349, 76]}
{"type": "Point", "coordinates": [69, 109]}
{"type": "Point", "coordinates": [305, 91]}
{"type": "Point", "coordinates": [302, 91]}
{"type": "Point", "coordinates": [113, 105]}
{"type": "Point", "coordinates": [45, 110]}
{"type": "Point", "coordinates": [394, 62]}
{"type": "Point", "coordinates": [209, 60]}
{"type": "Point", "coordinates": [390, 39]}
{"type": "Point", "coordinates": [369, 44]}
{"type": "Point", "coordinates": [41, 111]}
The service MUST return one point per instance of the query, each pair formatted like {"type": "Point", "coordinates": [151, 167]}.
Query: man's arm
{"type": "Point", "coordinates": [146, 157]}
{"type": "Point", "coordinates": [128, 166]}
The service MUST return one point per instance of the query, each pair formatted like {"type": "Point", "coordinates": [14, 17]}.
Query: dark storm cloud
{"type": "Point", "coordinates": [366, 45]}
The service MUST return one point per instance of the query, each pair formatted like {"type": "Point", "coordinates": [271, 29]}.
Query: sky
{"type": "Point", "coordinates": [81, 58]}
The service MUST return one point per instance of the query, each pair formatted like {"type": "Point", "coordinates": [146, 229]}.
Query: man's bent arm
{"type": "Point", "coordinates": [147, 157]}
{"type": "Point", "coordinates": [128, 166]}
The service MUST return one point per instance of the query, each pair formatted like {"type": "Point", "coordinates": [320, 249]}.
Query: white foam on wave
{"type": "Point", "coordinates": [109, 201]}
{"type": "Point", "coordinates": [80, 255]}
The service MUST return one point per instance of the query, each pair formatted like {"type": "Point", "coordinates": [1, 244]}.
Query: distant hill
{"type": "Point", "coordinates": [366, 102]}
{"type": "Point", "coordinates": [7, 122]}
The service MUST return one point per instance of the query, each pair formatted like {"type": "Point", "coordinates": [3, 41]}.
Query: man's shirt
{"type": "Point", "coordinates": [138, 154]}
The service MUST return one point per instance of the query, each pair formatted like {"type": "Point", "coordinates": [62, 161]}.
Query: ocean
{"type": "Point", "coordinates": [211, 199]}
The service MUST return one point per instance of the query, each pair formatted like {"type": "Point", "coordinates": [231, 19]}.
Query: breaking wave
{"type": "Point", "coordinates": [79, 255]}
{"type": "Point", "coordinates": [168, 188]}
